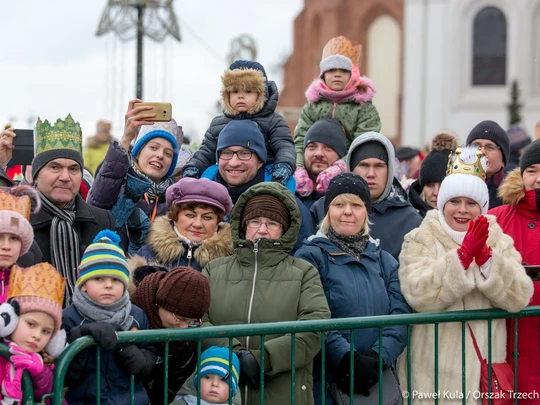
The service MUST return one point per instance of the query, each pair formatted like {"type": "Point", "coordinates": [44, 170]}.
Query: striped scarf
{"type": "Point", "coordinates": [65, 248]}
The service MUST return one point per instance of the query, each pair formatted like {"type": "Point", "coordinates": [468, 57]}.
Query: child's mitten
{"type": "Point", "coordinates": [304, 185]}
{"type": "Point", "coordinates": [324, 177]}
{"type": "Point", "coordinates": [282, 173]}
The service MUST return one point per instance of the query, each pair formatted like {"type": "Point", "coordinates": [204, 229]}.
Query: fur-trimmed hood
{"type": "Point", "coordinates": [243, 79]}
{"type": "Point", "coordinates": [364, 92]}
{"type": "Point", "coordinates": [169, 247]}
{"type": "Point", "coordinates": [512, 189]}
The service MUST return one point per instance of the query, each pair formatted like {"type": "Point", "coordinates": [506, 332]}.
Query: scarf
{"type": "Point", "coordinates": [65, 243]}
{"type": "Point", "coordinates": [118, 313]}
{"type": "Point", "coordinates": [156, 190]}
{"type": "Point", "coordinates": [145, 298]}
{"type": "Point", "coordinates": [353, 245]}
{"type": "Point", "coordinates": [236, 192]}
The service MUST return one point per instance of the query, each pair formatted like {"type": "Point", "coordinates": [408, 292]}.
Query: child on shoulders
{"type": "Point", "coordinates": [248, 95]}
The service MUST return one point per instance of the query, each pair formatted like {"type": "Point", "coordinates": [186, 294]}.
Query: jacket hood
{"type": "Point", "coordinates": [243, 79]}
{"type": "Point", "coordinates": [360, 94]}
{"type": "Point", "coordinates": [288, 239]}
{"type": "Point", "coordinates": [512, 189]}
{"type": "Point", "coordinates": [169, 246]}
{"type": "Point", "coordinates": [375, 136]}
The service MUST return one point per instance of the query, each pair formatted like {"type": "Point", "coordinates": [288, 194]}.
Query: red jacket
{"type": "Point", "coordinates": [520, 218]}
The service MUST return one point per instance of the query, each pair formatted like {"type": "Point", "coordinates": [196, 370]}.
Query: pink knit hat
{"type": "Point", "coordinates": [16, 205]}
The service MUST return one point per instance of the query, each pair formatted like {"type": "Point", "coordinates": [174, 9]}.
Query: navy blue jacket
{"type": "Point", "coordinates": [392, 219]}
{"type": "Point", "coordinates": [114, 383]}
{"type": "Point", "coordinates": [357, 287]}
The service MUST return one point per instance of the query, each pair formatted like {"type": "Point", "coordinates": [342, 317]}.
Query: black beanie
{"type": "Point", "coordinates": [531, 156]}
{"type": "Point", "coordinates": [493, 132]}
{"type": "Point", "coordinates": [347, 183]}
{"type": "Point", "coordinates": [433, 168]}
{"type": "Point", "coordinates": [406, 153]}
{"type": "Point", "coordinates": [369, 149]}
{"type": "Point", "coordinates": [330, 132]}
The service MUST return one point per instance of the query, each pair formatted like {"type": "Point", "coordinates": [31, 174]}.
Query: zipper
{"type": "Point", "coordinates": [189, 255]}
{"type": "Point", "coordinates": [255, 251]}
{"type": "Point", "coordinates": [2, 276]}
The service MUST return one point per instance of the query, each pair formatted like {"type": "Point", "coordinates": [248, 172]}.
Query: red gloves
{"type": "Point", "coordinates": [474, 245]}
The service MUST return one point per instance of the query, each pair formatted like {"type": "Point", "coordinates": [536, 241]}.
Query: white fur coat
{"type": "Point", "coordinates": [434, 280]}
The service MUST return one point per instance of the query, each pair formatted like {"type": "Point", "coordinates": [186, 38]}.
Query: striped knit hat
{"type": "Point", "coordinates": [104, 258]}
{"type": "Point", "coordinates": [215, 360]}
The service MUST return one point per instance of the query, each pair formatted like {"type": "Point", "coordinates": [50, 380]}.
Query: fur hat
{"type": "Point", "coordinates": [465, 185]}
{"type": "Point", "coordinates": [244, 75]}
{"type": "Point", "coordinates": [347, 183]}
{"type": "Point", "coordinates": [166, 130]}
{"type": "Point", "coordinates": [205, 191]}
{"type": "Point", "coordinates": [16, 205]}
{"type": "Point", "coordinates": [215, 360]}
{"type": "Point", "coordinates": [265, 205]}
{"type": "Point", "coordinates": [182, 291]}
{"type": "Point", "coordinates": [245, 133]}
{"type": "Point", "coordinates": [330, 132]}
{"type": "Point", "coordinates": [531, 156]}
{"type": "Point", "coordinates": [433, 168]}
{"type": "Point", "coordinates": [104, 258]}
{"type": "Point", "coordinates": [493, 132]}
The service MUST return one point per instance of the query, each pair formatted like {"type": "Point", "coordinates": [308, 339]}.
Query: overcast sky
{"type": "Point", "coordinates": [52, 63]}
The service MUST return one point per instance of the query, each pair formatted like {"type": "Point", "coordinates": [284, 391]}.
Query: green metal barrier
{"type": "Point", "coordinates": [27, 389]}
{"type": "Point", "coordinates": [292, 328]}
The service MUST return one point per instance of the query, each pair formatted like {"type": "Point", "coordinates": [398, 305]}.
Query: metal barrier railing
{"type": "Point", "coordinates": [292, 329]}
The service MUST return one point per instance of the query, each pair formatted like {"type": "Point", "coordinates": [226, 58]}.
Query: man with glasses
{"type": "Point", "coordinates": [495, 144]}
{"type": "Point", "coordinates": [241, 156]}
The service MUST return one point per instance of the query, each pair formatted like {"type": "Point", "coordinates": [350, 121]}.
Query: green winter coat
{"type": "Point", "coordinates": [355, 118]}
{"type": "Point", "coordinates": [262, 283]}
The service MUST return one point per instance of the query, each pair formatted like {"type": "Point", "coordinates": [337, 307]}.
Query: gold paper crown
{"type": "Point", "coordinates": [343, 46]}
{"type": "Point", "coordinates": [64, 134]}
{"type": "Point", "coordinates": [459, 166]}
{"type": "Point", "coordinates": [22, 204]}
{"type": "Point", "coordinates": [41, 280]}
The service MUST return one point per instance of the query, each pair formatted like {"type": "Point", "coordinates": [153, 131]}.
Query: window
{"type": "Point", "coordinates": [489, 47]}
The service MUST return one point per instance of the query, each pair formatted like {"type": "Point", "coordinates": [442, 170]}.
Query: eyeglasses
{"type": "Point", "coordinates": [185, 322]}
{"type": "Point", "coordinates": [487, 148]}
{"type": "Point", "coordinates": [240, 154]}
{"type": "Point", "coordinates": [270, 225]}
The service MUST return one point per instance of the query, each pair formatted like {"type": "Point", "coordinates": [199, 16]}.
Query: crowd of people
{"type": "Point", "coordinates": [264, 225]}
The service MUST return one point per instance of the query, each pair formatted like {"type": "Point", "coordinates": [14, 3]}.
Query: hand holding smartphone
{"type": "Point", "coordinates": [162, 110]}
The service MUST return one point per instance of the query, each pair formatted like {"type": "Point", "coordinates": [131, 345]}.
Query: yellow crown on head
{"type": "Point", "coordinates": [41, 280]}
{"type": "Point", "coordinates": [63, 134]}
{"type": "Point", "coordinates": [343, 46]}
{"type": "Point", "coordinates": [21, 204]}
{"type": "Point", "coordinates": [459, 166]}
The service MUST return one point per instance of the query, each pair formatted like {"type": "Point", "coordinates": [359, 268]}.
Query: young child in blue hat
{"type": "Point", "coordinates": [214, 375]}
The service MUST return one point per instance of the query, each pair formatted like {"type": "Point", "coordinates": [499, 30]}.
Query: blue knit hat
{"type": "Point", "coordinates": [104, 258]}
{"type": "Point", "coordinates": [215, 360]}
{"type": "Point", "coordinates": [166, 130]}
{"type": "Point", "coordinates": [244, 133]}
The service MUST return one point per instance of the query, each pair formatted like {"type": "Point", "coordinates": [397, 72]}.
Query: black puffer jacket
{"type": "Point", "coordinates": [279, 141]}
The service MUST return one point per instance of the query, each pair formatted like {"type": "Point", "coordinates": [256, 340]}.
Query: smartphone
{"type": "Point", "coordinates": [163, 111]}
{"type": "Point", "coordinates": [533, 271]}
{"type": "Point", "coordinates": [23, 153]}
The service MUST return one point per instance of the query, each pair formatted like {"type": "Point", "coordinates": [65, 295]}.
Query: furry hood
{"type": "Point", "coordinates": [243, 79]}
{"type": "Point", "coordinates": [168, 246]}
{"type": "Point", "coordinates": [512, 189]}
{"type": "Point", "coordinates": [364, 92]}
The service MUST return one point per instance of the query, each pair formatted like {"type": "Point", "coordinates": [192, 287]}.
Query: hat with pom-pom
{"type": "Point", "coordinates": [215, 360]}
{"type": "Point", "coordinates": [104, 258]}
{"type": "Point", "coordinates": [16, 205]}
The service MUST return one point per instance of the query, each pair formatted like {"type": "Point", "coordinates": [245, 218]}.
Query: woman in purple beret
{"type": "Point", "coordinates": [191, 234]}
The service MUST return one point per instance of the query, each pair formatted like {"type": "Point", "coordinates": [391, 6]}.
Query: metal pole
{"type": "Point", "coordinates": [140, 12]}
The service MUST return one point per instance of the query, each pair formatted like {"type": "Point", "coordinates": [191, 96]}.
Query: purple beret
{"type": "Point", "coordinates": [205, 191]}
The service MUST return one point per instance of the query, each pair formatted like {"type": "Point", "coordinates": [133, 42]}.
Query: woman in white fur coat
{"type": "Point", "coordinates": [458, 260]}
